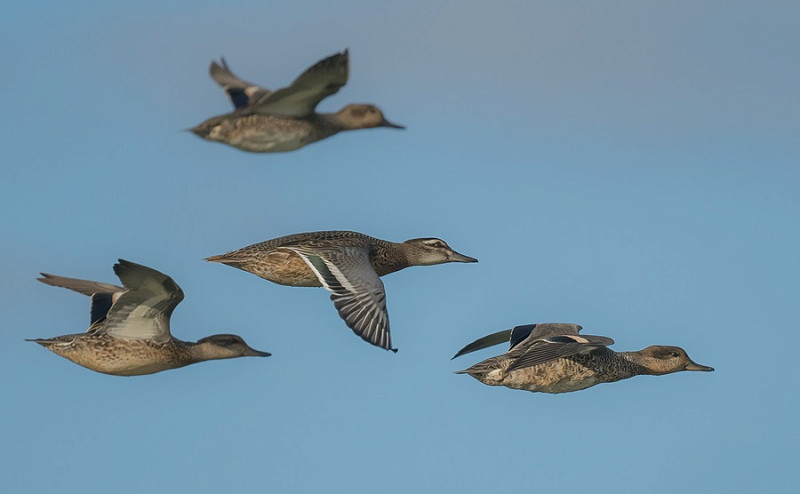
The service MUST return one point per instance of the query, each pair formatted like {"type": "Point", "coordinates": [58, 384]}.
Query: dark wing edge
{"type": "Point", "coordinates": [301, 98]}
{"type": "Point", "coordinates": [485, 342]}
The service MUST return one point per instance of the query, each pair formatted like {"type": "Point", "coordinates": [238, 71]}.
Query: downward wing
{"type": "Point", "coordinates": [356, 290]}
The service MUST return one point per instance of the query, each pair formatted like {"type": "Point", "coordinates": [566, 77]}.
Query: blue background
{"type": "Point", "coordinates": [628, 166]}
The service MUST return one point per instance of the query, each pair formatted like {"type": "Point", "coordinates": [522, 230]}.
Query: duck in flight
{"type": "Point", "coordinates": [265, 121]}
{"type": "Point", "coordinates": [554, 358]}
{"type": "Point", "coordinates": [347, 264]}
{"type": "Point", "coordinates": [129, 332]}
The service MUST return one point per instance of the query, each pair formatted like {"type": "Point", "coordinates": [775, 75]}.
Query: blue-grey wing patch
{"type": "Point", "coordinates": [520, 333]}
{"type": "Point", "coordinates": [240, 92]}
{"type": "Point", "coordinates": [101, 304]}
{"type": "Point", "coordinates": [103, 295]}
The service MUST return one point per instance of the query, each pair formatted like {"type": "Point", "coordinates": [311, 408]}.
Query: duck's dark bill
{"type": "Point", "coordinates": [389, 124]}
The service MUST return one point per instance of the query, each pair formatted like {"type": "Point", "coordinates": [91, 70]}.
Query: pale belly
{"type": "Point", "coordinates": [258, 143]}
{"type": "Point", "coordinates": [559, 376]}
{"type": "Point", "coordinates": [134, 358]}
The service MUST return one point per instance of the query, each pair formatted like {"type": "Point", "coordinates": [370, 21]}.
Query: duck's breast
{"type": "Point", "coordinates": [119, 357]}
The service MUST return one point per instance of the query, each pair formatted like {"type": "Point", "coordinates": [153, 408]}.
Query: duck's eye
{"type": "Point", "coordinates": [674, 354]}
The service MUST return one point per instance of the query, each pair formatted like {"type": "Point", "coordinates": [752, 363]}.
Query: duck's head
{"type": "Point", "coordinates": [363, 116]}
{"type": "Point", "coordinates": [221, 346]}
{"type": "Point", "coordinates": [428, 251]}
{"type": "Point", "coordinates": [659, 360]}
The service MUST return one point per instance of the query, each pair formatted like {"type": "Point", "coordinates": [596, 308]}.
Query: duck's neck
{"type": "Point", "coordinates": [634, 363]}
{"type": "Point", "coordinates": [200, 352]}
{"type": "Point", "coordinates": [333, 123]}
{"type": "Point", "coordinates": [389, 257]}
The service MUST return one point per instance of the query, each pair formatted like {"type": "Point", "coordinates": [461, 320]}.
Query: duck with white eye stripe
{"type": "Point", "coordinates": [554, 358]}
{"type": "Point", "coordinates": [347, 264]}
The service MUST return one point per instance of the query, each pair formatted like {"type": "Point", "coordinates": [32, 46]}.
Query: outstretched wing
{"type": "Point", "coordinates": [517, 334]}
{"type": "Point", "coordinates": [312, 86]}
{"type": "Point", "coordinates": [103, 295]}
{"type": "Point", "coordinates": [534, 344]}
{"type": "Point", "coordinates": [356, 290]}
{"type": "Point", "coordinates": [240, 92]}
{"type": "Point", "coordinates": [143, 311]}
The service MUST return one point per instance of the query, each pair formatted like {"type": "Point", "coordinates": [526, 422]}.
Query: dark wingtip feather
{"type": "Point", "coordinates": [485, 342]}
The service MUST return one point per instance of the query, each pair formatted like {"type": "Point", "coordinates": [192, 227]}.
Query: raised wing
{"type": "Point", "coordinates": [485, 342]}
{"type": "Point", "coordinates": [517, 334]}
{"type": "Point", "coordinates": [102, 295]}
{"type": "Point", "coordinates": [240, 92]}
{"type": "Point", "coordinates": [143, 312]}
{"type": "Point", "coordinates": [312, 86]}
{"type": "Point", "coordinates": [356, 290]}
{"type": "Point", "coordinates": [85, 287]}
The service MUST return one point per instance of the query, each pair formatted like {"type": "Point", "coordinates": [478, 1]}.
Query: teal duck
{"type": "Point", "coordinates": [129, 331]}
{"type": "Point", "coordinates": [267, 121]}
{"type": "Point", "coordinates": [554, 358]}
{"type": "Point", "coordinates": [347, 264]}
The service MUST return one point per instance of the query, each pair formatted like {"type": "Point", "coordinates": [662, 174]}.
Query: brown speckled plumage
{"type": "Point", "coordinates": [109, 355]}
{"type": "Point", "coordinates": [284, 120]}
{"type": "Point", "coordinates": [259, 133]}
{"type": "Point", "coordinates": [129, 334]}
{"type": "Point", "coordinates": [554, 358]}
{"type": "Point", "coordinates": [348, 264]}
{"type": "Point", "coordinates": [273, 261]}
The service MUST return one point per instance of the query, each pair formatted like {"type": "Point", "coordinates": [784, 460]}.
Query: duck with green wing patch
{"type": "Point", "coordinates": [347, 264]}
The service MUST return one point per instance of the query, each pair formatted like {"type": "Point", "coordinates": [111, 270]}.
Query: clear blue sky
{"type": "Point", "coordinates": [628, 166]}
